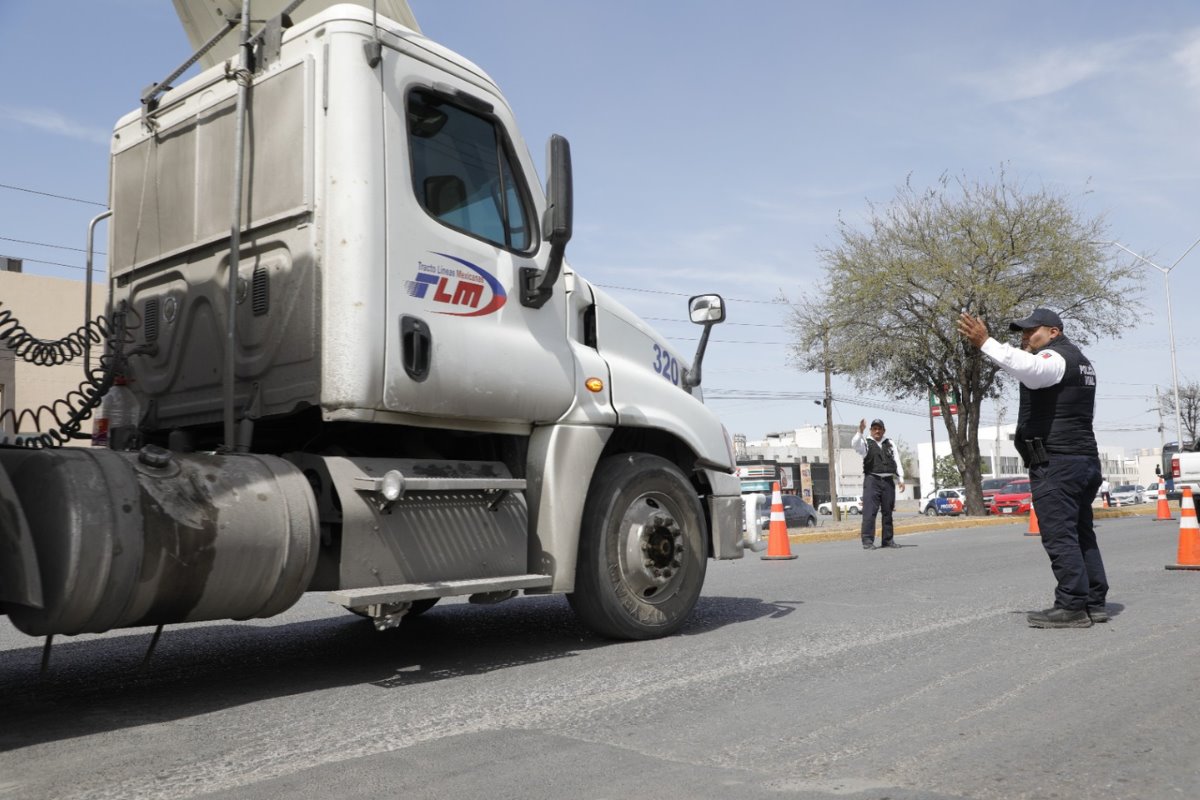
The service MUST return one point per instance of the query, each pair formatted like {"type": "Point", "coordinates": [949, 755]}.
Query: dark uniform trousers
{"type": "Point", "coordinates": [1063, 490]}
{"type": "Point", "coordinates": [879, 495]}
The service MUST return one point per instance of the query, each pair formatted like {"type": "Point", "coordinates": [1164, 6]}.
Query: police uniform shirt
{"type": "Point", "coordinates": [1063, 422]}
{"type": "Point", "coordinates": [1035, 370]}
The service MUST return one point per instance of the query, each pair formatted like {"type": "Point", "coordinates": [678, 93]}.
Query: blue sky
{"type": "Point", "coordinates": [716, 145]}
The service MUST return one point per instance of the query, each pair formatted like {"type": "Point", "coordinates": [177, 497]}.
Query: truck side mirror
{"type": "Point", "coordinates": [538, 286]}
{"type": "Point", "coordinates": [706, 310]}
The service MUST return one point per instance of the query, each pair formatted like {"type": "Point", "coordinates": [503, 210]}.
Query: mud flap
{"type": "Point", "coordinates": [20, 578]}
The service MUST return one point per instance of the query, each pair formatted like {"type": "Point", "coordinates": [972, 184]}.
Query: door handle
{"type": "Point", "coordinates": [417, 347]}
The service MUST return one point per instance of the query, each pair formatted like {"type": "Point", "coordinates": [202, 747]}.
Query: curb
{"type": "Point", "coordinates": [938, 523]}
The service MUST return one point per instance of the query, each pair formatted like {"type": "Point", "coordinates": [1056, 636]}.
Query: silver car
{"type": "Point", "coordinates": [1127, 494]}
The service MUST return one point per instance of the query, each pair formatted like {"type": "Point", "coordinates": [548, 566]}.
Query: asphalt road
{"type": "Point", "coordinates": [844, 673]}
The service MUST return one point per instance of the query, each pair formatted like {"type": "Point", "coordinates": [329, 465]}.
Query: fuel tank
{"type": "Point", "coordinates": [155, 537]}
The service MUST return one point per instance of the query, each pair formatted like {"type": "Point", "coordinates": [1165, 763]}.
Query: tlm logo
{"type": "Point", "coordinates": [465, 293]}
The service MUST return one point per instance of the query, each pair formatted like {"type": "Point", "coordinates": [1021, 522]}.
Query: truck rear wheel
{"type": "Point", "coordinates": [642, 553]}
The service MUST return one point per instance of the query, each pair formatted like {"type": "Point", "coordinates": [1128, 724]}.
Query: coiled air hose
{"type": "Point", "coordinates": [54, 424]}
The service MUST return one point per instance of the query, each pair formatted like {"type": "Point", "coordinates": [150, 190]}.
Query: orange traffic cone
{"type": "Point", "coordinates": [1164, 508]}
{"type": "Point", "coordinates": [1105, 503]}
{"type": "Point", "coordinates": [778, 546]}
{"type": "Point", "coordinates": [1189, 534]}
{"type": "Point", "coordinates": [1034, 530]}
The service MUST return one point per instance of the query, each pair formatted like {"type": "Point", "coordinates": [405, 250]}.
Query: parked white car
{"type": "Point", "coordinates": [1128, 494]}
{"type": "Point", "coordinates": [848, 504]}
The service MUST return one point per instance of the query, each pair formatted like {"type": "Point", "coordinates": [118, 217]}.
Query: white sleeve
{"type": "Point", "coordinates": [1035, 370]}
{"type": "Point", "coordinates": [859, 444]}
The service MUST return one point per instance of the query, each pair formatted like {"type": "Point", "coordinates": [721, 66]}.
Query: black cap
{"type": "Point", "coordinates": [878, 422]}
{"type": "Point", "coordinates": [1039, 317]}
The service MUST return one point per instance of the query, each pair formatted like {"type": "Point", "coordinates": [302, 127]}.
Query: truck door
{"type": "Point", "coordinates": [462, 222]}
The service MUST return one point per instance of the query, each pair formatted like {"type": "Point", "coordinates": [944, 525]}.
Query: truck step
{"type": "Point", "coordinates": [383, 595]}
{"type": "Point", "coordinates": [373, 484]}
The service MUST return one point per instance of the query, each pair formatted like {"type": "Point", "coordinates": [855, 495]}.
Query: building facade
{"type": "Point", "coordinates": [47, 309]}
{"type": "Point", "coordinates": [804, 450]}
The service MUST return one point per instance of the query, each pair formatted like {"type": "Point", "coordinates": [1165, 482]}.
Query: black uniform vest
{"type": "Point", "coordinates": [1061, 415]}
{"type": "Point", "coordinates": [879, 460]}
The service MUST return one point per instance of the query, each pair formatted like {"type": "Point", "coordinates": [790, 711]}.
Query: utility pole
{"type": "Point", "coordinates": [932, 447]}
{"type": "Point", "coordinates": [833, 496]}
{"type": "Point", "coordinates": [1162, 431]}
{"type": "Point", "coordinates": [996, 444]}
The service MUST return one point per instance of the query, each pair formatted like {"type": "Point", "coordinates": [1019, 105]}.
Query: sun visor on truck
{"type": "Point", "coordinates": [202, 19]}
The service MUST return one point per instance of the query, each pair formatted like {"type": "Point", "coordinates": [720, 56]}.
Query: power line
{"type": "Point", "coordinates": [54, 246]}
{"type": "Point", "coordinates": [684, 294]}
{"type": "Point", "coordinates": [59, 264]}
{"type": "Point", "coordinates": [55, 196]}
{"type": "Point", "coordinates": [727, 322]}
{"type": "Point", "coordinates": [857, 400]}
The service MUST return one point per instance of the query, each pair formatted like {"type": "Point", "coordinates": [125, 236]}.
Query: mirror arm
{"type": "Point", "coordinates": [537, 286]}
{"type": "Point", "coordinates": [691, 377]}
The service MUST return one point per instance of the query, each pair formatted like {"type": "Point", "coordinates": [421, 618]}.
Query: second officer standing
{"type": "Point", "coordinates": [883, 474]}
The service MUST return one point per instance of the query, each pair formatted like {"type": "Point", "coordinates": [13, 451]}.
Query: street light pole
{"type": "Point", "coordinates": [1166, 273]}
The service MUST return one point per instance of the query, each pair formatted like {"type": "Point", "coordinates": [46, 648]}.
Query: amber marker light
{"type": "Point", "coordinates": [594, 385]}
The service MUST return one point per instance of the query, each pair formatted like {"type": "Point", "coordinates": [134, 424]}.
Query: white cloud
{"type": "Point", "coordinates": [54, 122]}
{"type": "Point", "coordinates": [1054, 71]}
{"type": "Point", "coordinates": [1187, 57]}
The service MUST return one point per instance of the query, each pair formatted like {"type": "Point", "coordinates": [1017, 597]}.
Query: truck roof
{"type": "Point", "coordinates": [203, 19]}
{"type": "Point", "coordinates": [320, 12]}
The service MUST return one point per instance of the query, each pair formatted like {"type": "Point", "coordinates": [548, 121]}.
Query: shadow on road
{"type": "Point", "coordinates": [98, 685]}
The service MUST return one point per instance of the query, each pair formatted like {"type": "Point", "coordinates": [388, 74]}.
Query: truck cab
{"type": "Point", "coordinates": [340, 289]}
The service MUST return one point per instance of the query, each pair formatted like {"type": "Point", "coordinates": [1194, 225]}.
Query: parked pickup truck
{"type": "Point", "coordinates": [1185, 470]}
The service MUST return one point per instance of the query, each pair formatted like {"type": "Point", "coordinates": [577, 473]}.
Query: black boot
{"type": "Point", "coordinates": [1059, 618]}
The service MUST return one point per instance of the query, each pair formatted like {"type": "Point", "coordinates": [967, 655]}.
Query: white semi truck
{"type": "Point", "coordinates": [384, 382]}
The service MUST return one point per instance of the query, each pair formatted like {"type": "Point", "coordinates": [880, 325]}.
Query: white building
{"type": "Point", "coordinates": [1143, 464]}
{"type": "Point", "coordinates": [808, 444]}
{"type": "Point", "coordinates": [997, 450]}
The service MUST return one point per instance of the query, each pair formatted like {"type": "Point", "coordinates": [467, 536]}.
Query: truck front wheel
{"type": "Point", "coordinates": [642, 553]}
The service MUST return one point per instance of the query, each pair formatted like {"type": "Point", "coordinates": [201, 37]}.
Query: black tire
{"type": "Point", "coordinates": [419, 607]}
{"type": "Point", "coordinates": [643, 549]}
{"type": "Point", "coordinates": [811, 522]}
{"type": "Point", "coordinates": [854, 510]}
{"type": "Point", "coordinates": [931, 511]}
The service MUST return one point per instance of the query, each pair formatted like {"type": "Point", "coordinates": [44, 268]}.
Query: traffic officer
{"type": "Point", "coordinates": [882, 475]}
{"type": "Point", "coordinates": [1055, 438]}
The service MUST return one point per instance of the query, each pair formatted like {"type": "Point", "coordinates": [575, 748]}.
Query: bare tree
{"type": "Point", "coordinates": [1189, 407]}
{"type": "Point", "coordinates": [894, 290]}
